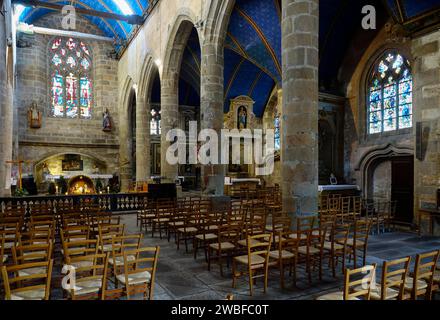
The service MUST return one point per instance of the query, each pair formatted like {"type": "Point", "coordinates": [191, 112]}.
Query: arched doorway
{"type": "Point", "coordinates": [388, 175]}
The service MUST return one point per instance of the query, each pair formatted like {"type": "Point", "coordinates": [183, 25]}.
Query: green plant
{"type": "Point", "coordinates": [21, 193]}
{"type": "Point", "coordinates": [99, 185]}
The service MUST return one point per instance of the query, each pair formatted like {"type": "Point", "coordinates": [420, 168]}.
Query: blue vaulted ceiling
{"type": "Point", "coordinates": [404, 10]}
{"type": "Point", "coordinates": [253, 46]}
{"type": "Point", "coordinates": [111, 28]}
{"type": "Point", "coordinates": [253, 42]}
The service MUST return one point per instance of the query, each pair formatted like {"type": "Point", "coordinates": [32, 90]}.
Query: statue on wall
{"type": "Point", "coordinates": [34, 116]}
{"type": "Point", "coordinates": [242, 117]}
{"type": "Point", "coordinates": [106, 121]}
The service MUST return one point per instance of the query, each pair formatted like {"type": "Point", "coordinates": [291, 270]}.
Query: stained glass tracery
{"type": "Point", "coordinates": [277, 132]}
{"type": "Point", "coordinates": [390, 95]}
{"type": "Point", "coordinates": [155, 128]}
{"type": "Point", "coordinates": [71, 84]}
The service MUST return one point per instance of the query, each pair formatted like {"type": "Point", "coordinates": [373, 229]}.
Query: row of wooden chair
{"type": "Point", "coordinates": [91, 249]}
{"type": "Point", "coordinates": [396, 280]}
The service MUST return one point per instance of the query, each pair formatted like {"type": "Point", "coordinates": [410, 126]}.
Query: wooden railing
{"type": "Point", "coordinates": [107, 202]}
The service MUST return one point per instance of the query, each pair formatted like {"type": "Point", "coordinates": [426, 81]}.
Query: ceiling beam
{"type": "Point", "coordinates": [131, 19]}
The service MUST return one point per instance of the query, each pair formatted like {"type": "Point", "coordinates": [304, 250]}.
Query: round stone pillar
{"type": "Point", "coordinates": [6, 114]}
{"type": "Point", "coordinates": [169, 120]}
{"type": "Point", "coordinates": [142, 140]}
{"type": "Point", "coordinates": [300, 62]}
{"type": "Point", "coordinates": [211, 113]}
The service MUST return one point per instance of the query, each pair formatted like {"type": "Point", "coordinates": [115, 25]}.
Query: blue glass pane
{"type": "Point", "coordinates": [405, 122]}
{"type": "Point", "coordinates": [375, 117]}
{"type": "Point", "coordinates": [375, 127]}
{"type": "Point", "coordinates": [405, 110]}
{"type": "Point", "coordinates": [390, 103]}
{"type": "Point", "coordinates": [389, 123]}
{"type": "Point", "coordinates": [375, 106]}
{"type": "Point", "coordinates": [405, 87]}
{"type": "Point", "coordinates": [375, 96]}
{"type": "Point", "coordinates": [57, 96]}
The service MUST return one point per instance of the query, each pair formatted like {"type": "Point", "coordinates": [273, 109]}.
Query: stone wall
{"type": "Point", "coordinates": [357, 143]}
{"type": "Point", "coordinates": [382, 182]}
{"type": "Point", "coordinates": [59, 135]}
{"type": "Point", "coordinates": [426, 51]}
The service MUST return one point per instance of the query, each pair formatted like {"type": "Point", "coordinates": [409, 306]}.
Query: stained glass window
{"type": "Point", "coordinates": [71, 84]}
{"type": "Point", "coordinates": [155, 128]}
{"type": "Point", "coordinates": [277, 132]}
{"type": "Point", "coordinates": [390, 95]}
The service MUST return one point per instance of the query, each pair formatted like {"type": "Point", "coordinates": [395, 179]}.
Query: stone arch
{"type": "Point", "coordinates": [370, 160]}
{"type": "Point", "coordinates": [146, 78]}
{"type": "Point", "coordinates": [217, 22]}
{"type": "Point", "coordinates": [125, 163]}
{"type": "Point", "coordinates": [178, 38]}
{"type": "Point", "coordinates": [49, 155]}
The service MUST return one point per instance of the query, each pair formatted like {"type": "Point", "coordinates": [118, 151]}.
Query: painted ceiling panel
{"type": "Point", "coordinates": [414, 8]}
{"type": "Point", "coordinates": [110, 28]}
{"type": "Point", "coordinates": [251, 41]}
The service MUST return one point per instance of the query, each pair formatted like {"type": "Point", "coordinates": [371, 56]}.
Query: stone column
{"type": "Point", "coordinates": [6, 114]}
{"type": "Point", "coordinates": [211, 112]}
{"type": "Point", "coordinates": [169, 120]}
{"type": "Point", "coordinates": [299, 154]}
{"type": "Point", "coordinates": [124, 153]}
{"type": "Point", "coordinates": [142, 140]}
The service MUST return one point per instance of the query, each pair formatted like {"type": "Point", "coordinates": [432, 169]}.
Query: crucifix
{"type": "Point", "coordinates": [19, 163]}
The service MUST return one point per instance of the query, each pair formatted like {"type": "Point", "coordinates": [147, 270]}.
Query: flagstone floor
{"type": "Point", "coordinates": [180, 277]}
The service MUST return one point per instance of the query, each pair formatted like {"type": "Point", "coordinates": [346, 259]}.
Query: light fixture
{"type": "Point", "coordinates": [158, 63]}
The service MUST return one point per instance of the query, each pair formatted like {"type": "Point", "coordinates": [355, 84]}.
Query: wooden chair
{"type": "Point", "coordinates": [257, 259]}
{"type": "Point", "coordinates": [75, 233]}
{"type": "Point", "coordinates": [356, 208]}
{"type": "Point", "coordinates": [364, 277]}
{"type": "Point", "coordinates": [392, 286]}
{"type": "Point", "coordinates": [90, 277]}
{"type": "Point", "coordinates": [8, 239]}
{"type": "Point", "coordinates": [304, 224]}
{"type": "Point", "coordinates": [421, 281]}
{"type": "Point", "coordinates": [120, 244]}
{"type": "Point", "coordinates": [164, 210]}
{"type": "Point", "coordinates": [311, 249]}
{"type": "Point", "coordinates": [139, 272]}
{"type": "Point", "coordinates": [225, 246]}
{"type": "Point", "coordinates": [336, 247]}
{"type": "Point", "coordinates": [106, 234]}
{"type": "Point", "coordinates": [286, 255]}
{"type": "Point", "coordinates": [36, 237]}
{"type": "Point", "coordinates": [73, 251]}
{"type": "Point", "coordinates": [358, 242]}
{"type": "Point", "coordinates": [209, 224]}
{"type": "Point", "coordinates": [189, 229]}
{"type": "Point", "coordinates": [177, 219]}
{"type": "Point", "coordinates": [344, 212]}
{"type": "Point", "coordinates": [23, 254]}
{"type": "Point", "coordinates": [27, 287]}
{"type": "Point", "coordinates": [146, 216]}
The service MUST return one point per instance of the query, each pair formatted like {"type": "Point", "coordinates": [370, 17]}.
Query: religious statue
{"type": "Point", "coordinates": [242, 117]}
{"type": "Point", "coordinates": [34, 116]}
{"type": "Point", "coordinates": [333, 180]}
{"type": "Point", "coordinates": [106, 121]}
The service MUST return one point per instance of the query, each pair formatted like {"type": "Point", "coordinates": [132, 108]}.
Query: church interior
{"type": "Point", "coordinates": [98, 98]}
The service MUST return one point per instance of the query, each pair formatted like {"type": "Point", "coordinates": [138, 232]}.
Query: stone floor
{"type": "Point", "coordinates": [180, 277]}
